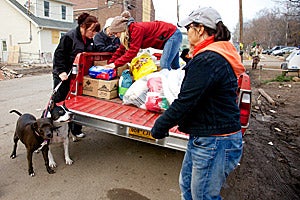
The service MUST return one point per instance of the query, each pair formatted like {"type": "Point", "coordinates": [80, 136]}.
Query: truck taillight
{"type": "Point", "coordinates": [74, 69]}
{"type": "Point", "coordinates": [245, 108]}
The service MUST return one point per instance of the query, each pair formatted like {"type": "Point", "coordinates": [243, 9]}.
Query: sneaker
{"type": "Point", "coordinates": [80, 135]}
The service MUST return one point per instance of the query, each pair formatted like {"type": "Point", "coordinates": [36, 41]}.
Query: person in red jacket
{"type": "Point", "coordinates": [140, 35]}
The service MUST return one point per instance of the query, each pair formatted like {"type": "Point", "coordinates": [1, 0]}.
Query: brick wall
{"type": "Point", "coordinates": [102, 11]}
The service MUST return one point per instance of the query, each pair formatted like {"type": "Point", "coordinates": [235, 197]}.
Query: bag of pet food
{"type": "Point", "coordinates": [142, 65]}
{"type": "Point", "coordinates": [100, 72]}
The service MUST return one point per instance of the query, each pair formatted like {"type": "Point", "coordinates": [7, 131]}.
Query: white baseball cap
{"type": "Point", "coordinates": [207, 16]}
{"type": "Point", "coordinates": [108, 22]}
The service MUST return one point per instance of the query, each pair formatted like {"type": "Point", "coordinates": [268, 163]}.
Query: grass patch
{"type": "Point", "coordinates": [280, 78]}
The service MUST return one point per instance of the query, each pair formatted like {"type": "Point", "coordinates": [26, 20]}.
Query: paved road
{"type": "Point", "coordinates": [106, 167]}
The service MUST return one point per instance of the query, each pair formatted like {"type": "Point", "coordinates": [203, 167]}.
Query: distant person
{"type": "Point", "coordinates": [140, 35]}
{"type": "Point", "coordinates": [105, 41]}
{"type": "Point", "coordinates": [241, 52]}
{"type": "Point", "coordinates": [206, 108]}
{"type": "Point", "coordinates": [256, 55]}
{"type": "Point", "coordinates": [73, 42]}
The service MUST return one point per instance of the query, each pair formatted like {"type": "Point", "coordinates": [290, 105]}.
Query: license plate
{"type": "Point", "coordinates": [140, 133]}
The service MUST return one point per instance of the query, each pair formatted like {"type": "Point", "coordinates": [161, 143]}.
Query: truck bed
{"type": "Point", "coordinates": [129, 121]}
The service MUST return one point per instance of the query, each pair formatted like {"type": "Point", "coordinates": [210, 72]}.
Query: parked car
{"type": "Point", "coordinates": [283, 51]}
{"type": "Point", "coordinates": [292, 63]}
{"type": "Point", "coordinates": [266, 51]}
{"type": "Point", "coordinates": [269, 52]}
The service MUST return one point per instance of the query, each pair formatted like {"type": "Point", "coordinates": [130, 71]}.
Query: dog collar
{"type": "Point", "coordinates": [37, 133]}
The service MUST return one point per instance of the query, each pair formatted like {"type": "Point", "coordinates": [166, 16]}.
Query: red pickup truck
{"type": "Point", "coordinates": [111, 116]}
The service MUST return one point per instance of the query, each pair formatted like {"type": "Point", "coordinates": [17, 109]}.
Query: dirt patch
{"type": "Point", "coordinates": [270, 165]}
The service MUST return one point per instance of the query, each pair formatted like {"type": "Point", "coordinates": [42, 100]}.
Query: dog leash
{"type": "Point", "coordinates": [54, 91]}
{"type": "Point", "coordinates": [59, 84]}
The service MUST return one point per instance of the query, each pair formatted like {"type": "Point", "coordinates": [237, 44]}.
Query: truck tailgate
{"type": "Point", "coordinates": [113, 117]}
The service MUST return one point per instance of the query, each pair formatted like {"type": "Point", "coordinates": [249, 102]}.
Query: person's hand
{"type": "Point", "coordinates": [63, 76]}
{"type": "Point", "coordinates": [159, 134]}
{"type": "Point", "coordinates": [110, 66]}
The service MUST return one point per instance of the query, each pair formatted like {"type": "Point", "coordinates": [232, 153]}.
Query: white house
{"type": "Point", "coordinates": [32, 28]}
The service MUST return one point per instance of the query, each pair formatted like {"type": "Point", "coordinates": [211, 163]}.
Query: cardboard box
{"type": "Point", "coordinates": [100, 88]}
{"type": "Point", "coordinates": [91, 84]}
{"type": "Point", "coordinates": [100, 62]}
{"type": "Point", "coordinates": [121, 69]}
{"type": "Point", "coordinates": [107, 95]}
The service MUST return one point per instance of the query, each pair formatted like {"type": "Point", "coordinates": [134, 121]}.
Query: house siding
{"type": "Point", "coordinates": [32, 34]}
{"type": "Point", "coordinates": [51, 39]}
{"type": "Point", "coordinates": [16, 31]}
{"type": "Point", "coordinates": [55, 12]}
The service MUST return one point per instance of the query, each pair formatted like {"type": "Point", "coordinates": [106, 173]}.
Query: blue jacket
{"type": "Point", "coordinates": [104, 43]}
{"type": "Point", "coordinates": [207, 103]}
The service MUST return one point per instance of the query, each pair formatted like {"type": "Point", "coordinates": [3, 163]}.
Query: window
{"type": "Point", "coordinates": [4, 46]}
{"type": "Point", "coordinates": [46, 8]}
{"type": "Point", "coordinates": [63, 12]}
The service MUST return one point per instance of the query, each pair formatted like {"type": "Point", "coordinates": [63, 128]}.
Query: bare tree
{"type": "Point", "coordinates": [270, 27]}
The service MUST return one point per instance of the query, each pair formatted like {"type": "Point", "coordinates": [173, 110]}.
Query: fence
{"type": "Point", "coordinates": [15, 55]}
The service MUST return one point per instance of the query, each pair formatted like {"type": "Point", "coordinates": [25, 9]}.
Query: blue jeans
{"type": "Point", "coordinates": [170, 55]}
{"type": "Point", "coordinates": [206, 165]}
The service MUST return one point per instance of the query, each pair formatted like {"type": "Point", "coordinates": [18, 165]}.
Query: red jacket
{"type": "Point", "coordinates": [143, 35]}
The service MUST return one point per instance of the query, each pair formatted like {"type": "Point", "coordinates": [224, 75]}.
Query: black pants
{"type": "Point", "coordinates": [60, 96]}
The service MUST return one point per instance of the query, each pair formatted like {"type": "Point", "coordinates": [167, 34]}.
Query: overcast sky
{"type": "Point", "coordinates": [166, 10]}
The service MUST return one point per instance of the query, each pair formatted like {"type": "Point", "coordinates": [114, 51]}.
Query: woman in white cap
{"type": "Point", "coordinates": [105, 41]}
{"type": "Point", "coordinates": [140, 35]}
{"type": "Point", "coordinates": [206, 107]}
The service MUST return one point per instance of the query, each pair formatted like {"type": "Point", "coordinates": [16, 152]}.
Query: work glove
{"type": "Point", "coordinates": [159, 134]}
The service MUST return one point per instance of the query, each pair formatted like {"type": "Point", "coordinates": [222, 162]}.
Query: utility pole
{"type": "Point", "coordinates": [241, 44]}
{"type": "Point", "coordinates": [241, 20]}
{"type": "Point", "coordinates": [177, 11]}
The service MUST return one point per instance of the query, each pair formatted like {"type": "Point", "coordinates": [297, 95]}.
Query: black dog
{"type": "Point", "coordinates": [34, 134]}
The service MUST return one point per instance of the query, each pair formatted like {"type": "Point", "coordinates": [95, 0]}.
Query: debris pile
{"type": "Point", "coordinates": [20, 70]}
{"type": "Point", "coordinates": [6, 73]}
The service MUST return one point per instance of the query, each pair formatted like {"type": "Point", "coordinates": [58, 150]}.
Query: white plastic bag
{"type": "Point", "coordinates": [136, 93]}
{"type": "Point", "coordinates": [174, 82]}
{"type": "Point", "coordinates": [155, 100]}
